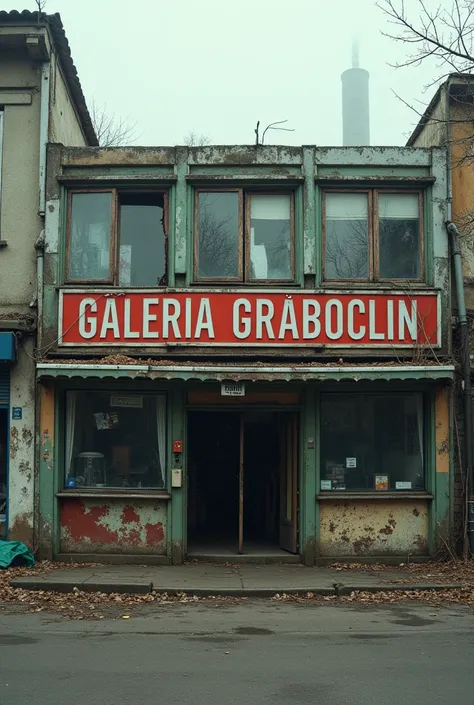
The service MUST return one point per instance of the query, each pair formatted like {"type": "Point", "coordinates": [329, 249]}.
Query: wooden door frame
{"type": "Point", "coordinates": [296, 410]}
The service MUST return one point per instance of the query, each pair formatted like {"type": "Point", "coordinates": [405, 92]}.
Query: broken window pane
{"type": "Point", "coordinates": [399, 235]}
{"type": "Point", "coordinates": [347, 236]}
{"type": "Point", "coordinates": [270, 236]}
{"type": "Point", "coordinates": [89, 237]}
{"type": "Point", "coordinates": [365, 435]}
{"type": "Point", "coordinates": [142, 255]}
{"type": "Point", "coordinates": [218, 235]}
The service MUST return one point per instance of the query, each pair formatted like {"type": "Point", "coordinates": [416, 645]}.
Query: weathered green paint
{"type": "Point", "coordinates": [181, 215]}
{"type": "Point", "coordinates": [309, 216]}
{"type": "Point", "coordinates": [47, 524]}
{"type": "Point", "coordinates": [177, 507]}
{"type": "Point", "coordinates": [210, 373]}
{"type": "Point", "coordinates": [309, 510]}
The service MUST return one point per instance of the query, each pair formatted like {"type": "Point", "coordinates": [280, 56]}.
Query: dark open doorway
{"type": "Point", "coordinates": [241, 467]}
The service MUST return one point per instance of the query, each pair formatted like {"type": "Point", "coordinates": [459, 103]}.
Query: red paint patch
{"type": "Point", "coordinates": [131, 538]}
{"type": "Point", "coordinates": [154, 534]}
{"type": "Point", "coordinates": [83, 524]}
{"type": "Point", "coordinates": [129, 516]}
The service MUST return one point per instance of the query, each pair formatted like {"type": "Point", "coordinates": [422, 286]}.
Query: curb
{"type": "Point", "coordinates": [142, 589]}
{"type": "Point", "coordinates": [344, 590]}
{"type": "Point", "coordinates": [53, 586]}
{"type": "Point", "coordinates": [339, 589]}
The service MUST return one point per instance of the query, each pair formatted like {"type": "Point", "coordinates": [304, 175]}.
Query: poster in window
{"type": "Point", "coordinates": [381, 482]}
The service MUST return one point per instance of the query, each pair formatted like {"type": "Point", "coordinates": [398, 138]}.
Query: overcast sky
{"type": "Point", "coordinates": [218, 66]}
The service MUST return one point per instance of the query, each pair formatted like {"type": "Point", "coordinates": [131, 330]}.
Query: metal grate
{"type": "Point", "coordinates": [4, 386]}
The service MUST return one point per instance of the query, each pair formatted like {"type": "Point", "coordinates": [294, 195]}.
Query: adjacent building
{"type": "Point", "coordinates": [245, 350]}
{"type": "Point", "coordinates": [448, 121]}
{"type": "Point", "coordinates": [40, 100]}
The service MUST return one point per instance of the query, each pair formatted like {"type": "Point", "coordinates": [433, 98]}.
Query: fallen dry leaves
{"type": "Point", "coordinates": [98, 605]}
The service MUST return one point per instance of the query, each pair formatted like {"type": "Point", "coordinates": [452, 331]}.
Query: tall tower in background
{"type": "Point", "coordinates": [355, 103]}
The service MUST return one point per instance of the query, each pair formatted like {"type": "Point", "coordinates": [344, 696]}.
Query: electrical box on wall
{"type": "Point", "coordinates": [176, 477]}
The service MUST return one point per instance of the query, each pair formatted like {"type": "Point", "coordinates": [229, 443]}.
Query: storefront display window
{"type": "Point", "coordinates": [372, 442]}
{"type": "Point", "coordinates": [115, 440]}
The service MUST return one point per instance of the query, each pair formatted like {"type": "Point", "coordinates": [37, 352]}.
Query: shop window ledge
{"type": "Point", "coordinates": [117, 494]}
{"type": "Point", "coordinates": [413, 495]}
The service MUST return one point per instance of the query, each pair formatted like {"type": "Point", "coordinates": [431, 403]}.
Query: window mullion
{"type": "Point", "coordinates": [115, 239]}
{"type": "Point", "coordinates": [374, 235]}
{"type": "Point", "coordinates": [244, 232]}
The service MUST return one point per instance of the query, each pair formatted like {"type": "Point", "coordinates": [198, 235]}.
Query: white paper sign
{"type": "Point", "coordinates": [233, 389]}
{"type": "Point", "coordinates": [326, 484]}
{"type": "Point", "coordinates": [403, 485]}
{"type": "Point", "coordinates": [351, 462]}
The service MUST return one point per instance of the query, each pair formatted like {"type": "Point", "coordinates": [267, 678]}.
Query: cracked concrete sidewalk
{"type": "Point", "coordinates": [244, 580]}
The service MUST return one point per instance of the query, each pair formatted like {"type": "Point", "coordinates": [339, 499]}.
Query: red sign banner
{"type": "Point", "coordinates": [248, 318]}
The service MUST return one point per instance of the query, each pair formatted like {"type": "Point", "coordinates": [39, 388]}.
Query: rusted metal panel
{"type": "Point", "coordinates": [374, 528]}
{"type": "Point", "coordinates": [113, 526]}
{"type": "Point", "coordinates": [442, 429]}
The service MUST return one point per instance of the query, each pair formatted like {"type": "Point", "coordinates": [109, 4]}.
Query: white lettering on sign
{"type": "Point", "coordinates": [87, 324]}
{"type": "Point", "coordinates": [248, 318]}
{"type": "Point", "coordinates": [233, 389]}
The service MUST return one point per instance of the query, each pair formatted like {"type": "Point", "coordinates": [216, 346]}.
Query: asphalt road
{"type": "Point", "coordinates": [259, 652]}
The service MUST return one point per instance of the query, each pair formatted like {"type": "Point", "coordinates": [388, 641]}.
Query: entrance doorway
{"type": "Point", "coordinates": [242, 481]}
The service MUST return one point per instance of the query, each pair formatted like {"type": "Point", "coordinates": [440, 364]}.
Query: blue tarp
{"type": "Point", "coordinates": [15, 553]}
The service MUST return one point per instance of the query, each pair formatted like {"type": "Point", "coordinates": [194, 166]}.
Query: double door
{"type": "Point", "coordinates": [277, 445]}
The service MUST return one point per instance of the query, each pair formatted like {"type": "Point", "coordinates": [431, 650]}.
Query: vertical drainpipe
{"type": "Point", "coordinates": [39, 247]}
{"type": "Point", "coordinates": [466, 366]}
{"type": "Point", "coordinates": [453, 233]}
{"type": "Point", "coordinates": [43, 138]}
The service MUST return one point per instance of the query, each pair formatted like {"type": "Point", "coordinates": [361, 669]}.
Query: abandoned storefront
{"type": "Point", "coordinates": [255, 366]}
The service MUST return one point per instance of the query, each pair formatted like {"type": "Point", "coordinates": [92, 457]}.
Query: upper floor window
{"type": "Point", "coordinates": [372, 235]}
{"type": "Point", "coordinates": [117, 237]}
{"type": "Point", "coordinates": [244, 236]}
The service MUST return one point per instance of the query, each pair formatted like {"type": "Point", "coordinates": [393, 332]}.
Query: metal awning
{"type": "Point", "coordinates": [250, 373]}
{"type": "Point", "coordinates": [7, 347]}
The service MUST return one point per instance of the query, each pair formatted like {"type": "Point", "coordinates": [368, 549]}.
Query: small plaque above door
{"type": "Point", "coordinates": [233, 389]}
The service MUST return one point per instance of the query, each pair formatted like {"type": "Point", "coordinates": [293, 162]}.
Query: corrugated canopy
{"type": "Point", "coordinates": [236, 373]}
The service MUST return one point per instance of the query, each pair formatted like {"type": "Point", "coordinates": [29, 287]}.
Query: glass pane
{"type": "Point", "coordinates": [218, 235]}
{"type": "Point", "coordinates": [370, 440]}
{"type": "Point", "coordinates": [115, 440]}
{"type": "Point", "coordinates": [347, 236]}
{"type": "Point", "coordinates": [399, 236]}
{"type": "Point", "coordinates": [142, 240]}
{"type": "Point", "coordinates": [270, 237]}
{"type": "Point", "coordinates": [89, 238]}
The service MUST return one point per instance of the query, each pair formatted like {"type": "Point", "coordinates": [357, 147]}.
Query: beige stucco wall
{"type": "Point", "coordinates": [19, 221]}
{"type": "Point", "coordinates": [64, 125]}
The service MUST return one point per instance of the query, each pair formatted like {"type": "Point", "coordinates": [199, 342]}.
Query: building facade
{"type": "Point", "coordinates": [40, 100]}
{"type": "Point", "coordinates": [448, 122]}
{"type": "Point", "coordinates": [245, 349]}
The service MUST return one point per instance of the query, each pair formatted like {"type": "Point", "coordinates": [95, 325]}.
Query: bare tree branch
{"type": "Point", "coordinates": [193, 139]}
{"type": "Point", "coordinates": [112, 130]}
{"type": "Point", "coordinates": [442, 33]}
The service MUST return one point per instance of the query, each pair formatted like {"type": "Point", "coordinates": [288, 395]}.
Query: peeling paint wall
{"type": "Point", "coordinates": [374, 528]}
{"type": "Point", "coordinates": [22, 448]}
{"type": "Point", "coordinates": [113, 526]}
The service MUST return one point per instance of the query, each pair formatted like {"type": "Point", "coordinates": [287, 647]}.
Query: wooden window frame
{"type": "Point", "coordinates": [244, 204]}
{"type": "Point", "coordinates": [248, 261]}
{"type": "Point", "coordinates": [114, 234]}
{"type": "Point", "coordinates": [376, 238]}
{"type": "Point", "coordinates": [113, 216]}
{"type": "Point", "coordinates": [240, 277]}
{"type": "Point", "coordinates": [373, 235]}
